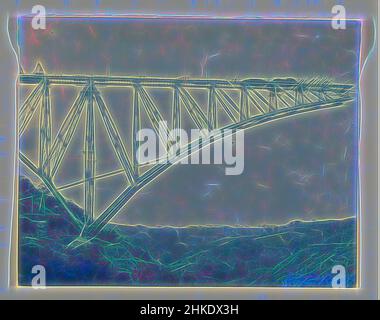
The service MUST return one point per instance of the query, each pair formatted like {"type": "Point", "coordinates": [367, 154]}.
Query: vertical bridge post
{"type": "Point", "coordinates": [45, 131]}
{"type": "Point", "coordinates": [89, 157]}
{"type": "Point", "coordinates": [176, 118]}
{"type": "Point", "coordinates": [244, 112]}
{"type": "Point", "coordinates": [136, 126]}
{"type": "Point", "coordinates": [212, 116]}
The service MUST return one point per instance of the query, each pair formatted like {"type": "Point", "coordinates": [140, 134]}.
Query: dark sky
{"type": "Point", "coordinates": [302, 167]}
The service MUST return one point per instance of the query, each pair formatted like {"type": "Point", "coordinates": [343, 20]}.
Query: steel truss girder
{"type": "Point", "coordinates": [115, 138]}
{"type": "Point", "coordinates": [295, 96]}
{"type": "Point", "coordinates": [65, 133]}
{"type": "Point", "coordinates": [229, 101]}
{"type": "Point", "coordinates": [228, 110]}
{"type": "Point", "coordinates": [29, 107]}
{"type": "Point", "coordinates": [154, 114]}
{"type": "Point", "coordinates": [194, 110]}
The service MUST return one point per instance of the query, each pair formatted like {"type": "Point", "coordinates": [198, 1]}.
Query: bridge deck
{"type": "Point", "coordinates": [125, 81]}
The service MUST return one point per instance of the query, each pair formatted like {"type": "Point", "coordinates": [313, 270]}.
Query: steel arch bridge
{"type": "Point", "coordinates": [255, 102]}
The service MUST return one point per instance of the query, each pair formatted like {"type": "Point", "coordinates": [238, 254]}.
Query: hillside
{"type": "Point", "coordinates": [300, 254]}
